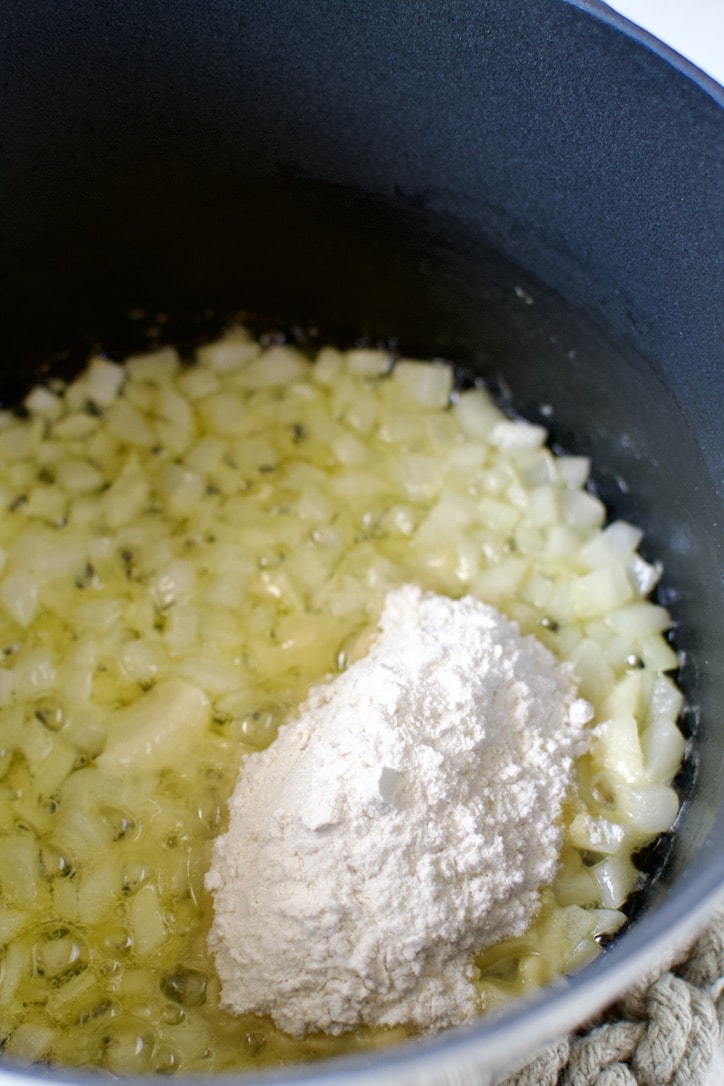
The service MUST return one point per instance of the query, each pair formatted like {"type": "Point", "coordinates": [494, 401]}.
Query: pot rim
{"type": "Point", "coordinates": [601, 11]}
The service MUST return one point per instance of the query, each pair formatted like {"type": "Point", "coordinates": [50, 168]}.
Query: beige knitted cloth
{"type": "Point", "coordinates": [664, 1032]}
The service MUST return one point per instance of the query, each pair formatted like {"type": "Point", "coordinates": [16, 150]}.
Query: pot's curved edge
{"type": "Point", "coordinates": [600, 10]}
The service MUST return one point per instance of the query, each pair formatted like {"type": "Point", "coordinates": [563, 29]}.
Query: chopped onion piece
{"type": "Point", "coordinates": [154, 729]}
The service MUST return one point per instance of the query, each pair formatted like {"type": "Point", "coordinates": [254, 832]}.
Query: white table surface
{"type": "Point", "coordinates": [695, 29]}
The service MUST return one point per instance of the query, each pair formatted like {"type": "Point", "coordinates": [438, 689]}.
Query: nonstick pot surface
{"type": "Point", "coordinates": [519, 187]}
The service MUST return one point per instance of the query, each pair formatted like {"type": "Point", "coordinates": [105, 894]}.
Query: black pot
{"type": "Point", "coordinates": [529, 188]}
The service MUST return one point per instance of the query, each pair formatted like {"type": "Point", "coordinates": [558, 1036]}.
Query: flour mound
{"type": "Point", "coordinates": [405, 819]}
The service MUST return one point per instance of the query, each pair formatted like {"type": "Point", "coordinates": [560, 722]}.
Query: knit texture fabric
{"type": "Point", "coordinates": [663, 1032]}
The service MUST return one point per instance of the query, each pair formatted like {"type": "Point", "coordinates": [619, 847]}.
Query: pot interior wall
{"type": "Point", "coordinates": [334, 165]}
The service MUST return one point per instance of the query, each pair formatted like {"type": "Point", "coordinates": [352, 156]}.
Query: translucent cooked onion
{"type": "Point", "coordinates": [184, 550]}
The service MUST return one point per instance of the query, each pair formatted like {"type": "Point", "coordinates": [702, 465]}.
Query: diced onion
{"type": "Point", "coordinates": [184, 550]}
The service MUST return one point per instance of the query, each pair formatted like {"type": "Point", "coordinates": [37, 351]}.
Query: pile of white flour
{"type": "Point", "coordinates": [405, 819]}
